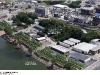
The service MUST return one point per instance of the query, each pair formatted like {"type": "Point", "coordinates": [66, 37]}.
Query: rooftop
{"type": "Point", "coordinates": [69, 42]}
{"type": "Point", "coordinates": [38, 26]}
{"type": "Point", "coordinates": [64, 44]}
{"type": "Point", "coordinates": [60, 6]}
{"type": "Point", "coordinates": [77, 16]}
{"type": "Point", "coordinates": [88, 8]}
{"type": "Point", "coordinates": [42, 7]}
{"type": "Point", "coordinates": [60, 48]}
{"type": "Point", "coordinates": [96, 48]}
{"type": "Point", "coordinates": [79, 56]}
{"type": "Point", "coordinates": [95, 40]}
{"type": "Point", "coordinates": [85, 46]}
{"type": "Point", "coordinates": [74, 40]}
{"type": "Point", "coordinates": [41, 38]}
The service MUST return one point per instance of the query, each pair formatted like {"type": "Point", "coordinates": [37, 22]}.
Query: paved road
{"type": "Point", "coordinates": [52, 42]}
{"type": "Point", "coordinates": [93, 66]}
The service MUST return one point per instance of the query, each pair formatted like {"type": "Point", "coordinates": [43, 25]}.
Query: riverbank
{"type": "Point", "coordinates": [2, 32]}
{"type": "Point", "coordinates": [34, 55]}
{"type": "Point", "coordinates": [13, 58]}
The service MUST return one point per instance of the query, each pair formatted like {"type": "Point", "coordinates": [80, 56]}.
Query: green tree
{"type": "Point", "coordinates": [41, 34]}
{"type": "Point", "coordinates": [8, 30]}
{"type": "Point", "coordinates": [74, 4]}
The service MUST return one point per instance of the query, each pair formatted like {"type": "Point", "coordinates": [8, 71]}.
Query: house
{"type": "Point", "coordinates": [96, 18]}
{"type": "Point", "coordinates": [92, 2]}
{"type": "Point", "coordinates": [42, 11]}
{"type": "Point", "coordinates": [87, 10]}
{"type": "Point", "coordinates": [98, 9]}
{"type": "Point", "coordinates": [75, 18]}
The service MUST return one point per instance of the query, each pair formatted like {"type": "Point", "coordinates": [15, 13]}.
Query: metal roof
{"type": "Point", "coordinates": [86, 47]}
{"type": "Point", "coordinates": [79, 56]}
{"type": "Point", "coordinates": [38, 26]}
{"type": "Point", "coordinates": [95, 40]}
{"type": "Point", "coordinates": [69, 42]}
{"type": "Point", "coordinates": [74, 40]}
{"type": "Point", "coordinates": [64, 44]}
{"type": "Point", "coordinates": [96, 48]}
{"type": "Point", "coordinates": [60, 48]}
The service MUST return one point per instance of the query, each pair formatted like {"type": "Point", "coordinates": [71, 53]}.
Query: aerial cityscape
{"type": "Point", "coordinates": [50, 34]}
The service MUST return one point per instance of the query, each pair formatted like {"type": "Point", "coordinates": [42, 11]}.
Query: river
{"type": "Point", "coordinates": [14, 59]}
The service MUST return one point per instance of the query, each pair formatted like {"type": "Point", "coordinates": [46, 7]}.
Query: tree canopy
{"type": "Point", "coordinates": [74, 4]}
{"type": "Point", "coordinates": [52, 22]}
{"type": "Point", "coordinates": [26, 18]}
{"type": "Point", "coordinates": [52, 2]}
{"type": "Point", "coordinates": [60, 30]}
